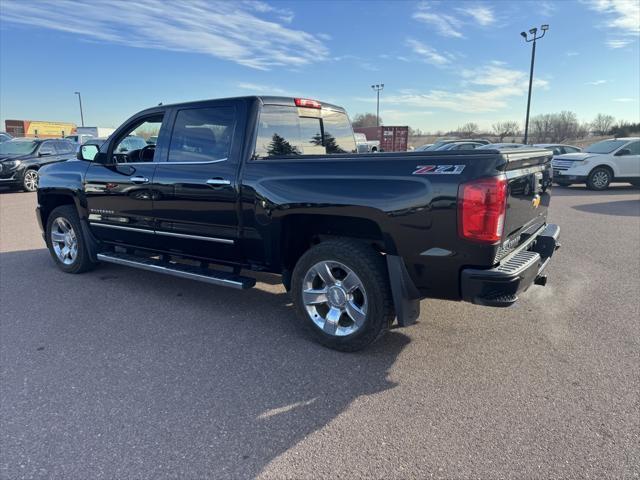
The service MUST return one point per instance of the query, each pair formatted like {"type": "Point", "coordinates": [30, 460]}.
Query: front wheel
{"type": "Point", "coordinates": [341, 292]}
{"type": "Point", "coordinates": [65, 241]}
{"type": "Point", "coordinates": [30, 182]}
{"type": "Point", "coordinates": [599, 179]}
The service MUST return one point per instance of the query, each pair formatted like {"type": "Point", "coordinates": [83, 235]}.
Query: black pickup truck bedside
{"type": "Point", "coordinates": [500, 286]}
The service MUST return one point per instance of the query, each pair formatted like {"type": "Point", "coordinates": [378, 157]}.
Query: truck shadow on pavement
{"type": "Point", "coordinates": [622, 208]}
{"type": "Point", "coordinates": [578, 190]}
{"type": "Point", "coordinates": [138, 375]}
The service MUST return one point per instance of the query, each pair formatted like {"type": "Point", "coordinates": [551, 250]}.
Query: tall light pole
{"type": "Point", "coordinates": [377, 88]}
{"type": "Point", "coordinates": [81, 115]}
{"type": "Point", "coordinates": [533, 39]}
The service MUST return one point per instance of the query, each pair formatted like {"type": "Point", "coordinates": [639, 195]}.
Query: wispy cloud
{"type": "Point", "coordinates": [250, 33]}
{"type": "Point", "coordinates": [445, 25]}
{"type": "Point", "coordinates": [596, 82]}
{"type": "Point", "coordinates": [621, 19]}
{"type": "Point", "coordinates": [571, 53]}
{"type": "Point", "coordinates": [487, 88]}
{"type": "Point", "coordinates": [546, 8]}
{"type": "Point", "coordinates": [481, 14]}
{"type": "Point", "coordinates": [450, 23]}
{"type": "Point", "coordinates": [427, 53]}
{"type": "Point", "coordinates": [258, 88]}
{"type": "Point", "coordinates": [356, 60]}
{"type": "Point", "coordinates": [618, 43]}
{"type": "Point", "coordinates": [624, 99]}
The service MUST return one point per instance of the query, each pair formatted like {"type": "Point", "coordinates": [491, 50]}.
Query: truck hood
{"type": "Point", "coordinates": [576, 157]}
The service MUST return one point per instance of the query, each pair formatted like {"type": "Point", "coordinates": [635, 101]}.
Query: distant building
{"type": "Point", "coordinates": [34, 128]}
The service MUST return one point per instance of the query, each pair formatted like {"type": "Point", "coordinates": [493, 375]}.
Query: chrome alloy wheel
{"type": "Point", "coordinates": [600, 179]}
{"type": "Point", "coordinates": [335, 298]}
{"type": "Point", "coordinates": [64, 240]}
{"type": "Point", "coordinates": [31, 180]}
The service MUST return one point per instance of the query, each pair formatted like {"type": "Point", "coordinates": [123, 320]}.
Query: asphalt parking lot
{"type": "Point", "coordinates": [120, 373]}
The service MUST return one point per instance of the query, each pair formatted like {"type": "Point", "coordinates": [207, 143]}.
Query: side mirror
{"type": "Point", "coordinates": [88, 152]}
{"type": "Point", "coordinates": [622, 152]}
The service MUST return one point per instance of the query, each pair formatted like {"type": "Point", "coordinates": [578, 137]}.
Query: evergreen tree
{"type": "Point", "coordinates": [279, 146]}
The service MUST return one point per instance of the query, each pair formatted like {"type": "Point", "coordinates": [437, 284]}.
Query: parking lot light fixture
{"type": "Point", "coordinates": [81, 114]}
{"type": "Point", "coordinates": [533, 38]}
{"type": "Point", "coordinates": [378, 87]}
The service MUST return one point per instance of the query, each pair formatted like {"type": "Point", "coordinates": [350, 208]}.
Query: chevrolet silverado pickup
{"type": "Point", "coordinates": [274, 184]}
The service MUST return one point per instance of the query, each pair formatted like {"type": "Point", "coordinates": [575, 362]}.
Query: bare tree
{"type": "Point", "coordinates": [583, 130]}
{"type": "Point", "coordinates": [468, 130]}
{"type": "Point", "coordinates": [565, 126]}
{"type": "Point", "coordinates": [365, 120]}
{"type": "Point", "coordinates": [541, 128]}
{"type": "Point", "coordinates": [505, 129]}
{"type": "Point", "coordinates": [602, 124]}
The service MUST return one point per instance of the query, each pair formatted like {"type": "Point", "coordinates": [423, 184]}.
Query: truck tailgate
{"type": "Point", "coordinates": [528, 174]}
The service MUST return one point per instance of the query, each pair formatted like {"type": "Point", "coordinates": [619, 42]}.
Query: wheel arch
{"type": "Point", "coordinates": [299, 232]}
{"type": "Point", "coordinates": [51, 200]}
{"type": "Point", "coordinates": [608, 166]}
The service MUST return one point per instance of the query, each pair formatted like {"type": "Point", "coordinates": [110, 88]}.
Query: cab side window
{"type": "Point", "coordinates": [47, 148]}
{"type": "Point", "coordinates": [64, 147]}
{"type": "Point", "coordinates": [634, 148]}
{"type": "Point", "coordinates": [202, 134]}
{"type": "Point", "coordinates": [132, 146]}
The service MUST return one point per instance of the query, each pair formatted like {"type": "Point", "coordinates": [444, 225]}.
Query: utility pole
{"type": "Point", "coordinates": [377, 88]}
{"type": "Point", "coordinates": [81, 114]}
{"type": "Point", "coordinates": [533, 39]}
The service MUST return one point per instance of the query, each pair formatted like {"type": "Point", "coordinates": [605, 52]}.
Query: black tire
{"type": "Point", "coordinates": [82, 261]}
{"type": "Point", "coordinates": [599, 179]}
{"type": "Point", "coordinates": [30, 180]}
{"type": "Point", "coordinates": [370, 268]}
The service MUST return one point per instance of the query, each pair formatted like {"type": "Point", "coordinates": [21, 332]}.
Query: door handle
{"type": "Point", "coordinates": [139, 179]}
{"type": "Point", "coordinates": [217, 182]}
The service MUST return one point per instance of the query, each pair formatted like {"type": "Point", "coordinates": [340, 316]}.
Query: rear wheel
{"type": "Point", "coordinates": [599, 178]}
{"type": "Point", "coordinates": [342, 294]}
{"type": "Point", "coordinates": [65, 241]}
{"type": "Point", "coordinates": [30, 181]}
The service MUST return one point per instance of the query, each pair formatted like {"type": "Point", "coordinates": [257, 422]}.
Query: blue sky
{"type": "Point", "coordinates": [443, 63]}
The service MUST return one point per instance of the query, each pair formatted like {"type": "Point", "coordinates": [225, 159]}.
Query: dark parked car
{"type": "Point", "coordinates": [274, 184]}
{"type": "Point", "coordinates": [21, 159]}
{"type": "Point", "coordinates": [441, 143]}
{"type": "Point", "coordinates": [459, 146]}
{"type": "Point", "coordinates": [558, 149]}
{"type": "Point", "coordinates": [501, 146]}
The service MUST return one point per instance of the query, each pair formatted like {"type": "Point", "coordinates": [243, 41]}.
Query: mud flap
{"type": "Point", "coordinates": [406, 298]}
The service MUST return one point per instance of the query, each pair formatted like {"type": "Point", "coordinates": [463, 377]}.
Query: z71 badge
{"type": "Point", "coordinates": [439, 170]}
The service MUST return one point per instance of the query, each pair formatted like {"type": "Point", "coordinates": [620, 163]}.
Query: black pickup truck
{"type": "Point", "coordinates": [274, 184]}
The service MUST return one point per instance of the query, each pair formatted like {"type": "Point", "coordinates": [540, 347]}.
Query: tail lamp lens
{"type": "Point", "coordinates": [481, 209]}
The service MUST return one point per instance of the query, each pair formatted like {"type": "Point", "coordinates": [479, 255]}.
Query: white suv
{"type": "Point", "coordinates": [600, 164]}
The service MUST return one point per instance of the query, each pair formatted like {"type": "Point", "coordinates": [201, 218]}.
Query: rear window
{"type": "Point", "coordinates": [289, 131]}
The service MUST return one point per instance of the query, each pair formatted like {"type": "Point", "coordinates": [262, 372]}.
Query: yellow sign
{"type": "Point", "coordinates": [49, 129]}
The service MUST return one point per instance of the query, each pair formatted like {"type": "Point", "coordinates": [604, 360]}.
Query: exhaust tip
{"type": "Point", "coordinates": [541, 280]}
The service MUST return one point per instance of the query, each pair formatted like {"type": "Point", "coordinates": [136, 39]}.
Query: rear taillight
{"type": "Point", "coordinates": [481, 209]}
